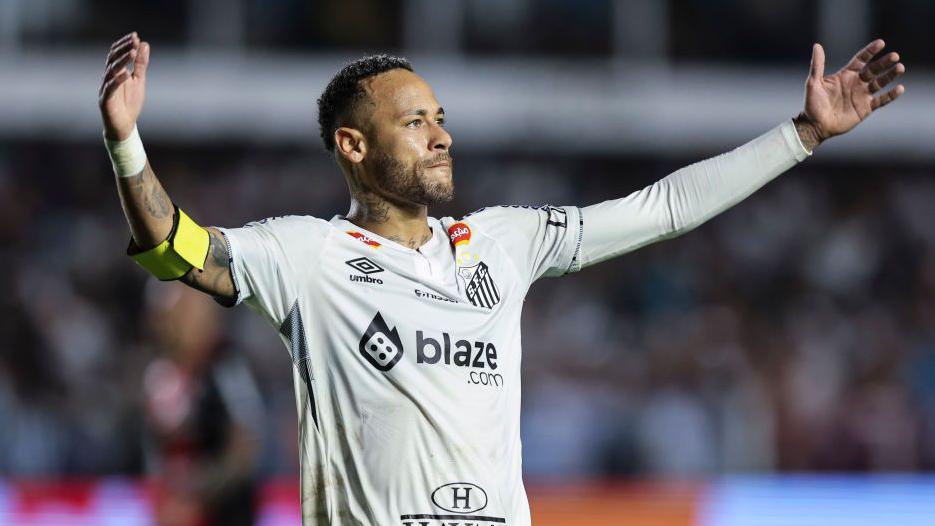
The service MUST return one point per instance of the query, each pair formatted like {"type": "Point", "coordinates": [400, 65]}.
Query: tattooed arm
{"type": "Point", "coordinates": [147, 207]}
{"type": "Point", "coordinates": [145, 203]}
{"type": "Point", "coordinates": [216, 278]}
{"type": "Point", "coordinates": [149, 213]}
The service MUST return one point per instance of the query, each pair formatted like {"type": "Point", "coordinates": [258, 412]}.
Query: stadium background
{"type": "Point", "coordinates": [775, 366]}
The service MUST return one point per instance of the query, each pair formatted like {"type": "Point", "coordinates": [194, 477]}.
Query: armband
{"type": "Point", "coordinates": [184, 248]}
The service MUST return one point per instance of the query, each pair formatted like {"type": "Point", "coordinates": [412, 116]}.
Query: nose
{"type": "Point", "coordinates": [439, 139]}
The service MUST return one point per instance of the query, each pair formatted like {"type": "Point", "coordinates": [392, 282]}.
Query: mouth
{"type": "Point", "coordinates": [439, 165]}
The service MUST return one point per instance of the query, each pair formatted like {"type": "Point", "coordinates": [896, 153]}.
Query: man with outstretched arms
{"type": "Point", "coordinates": [404, 328]}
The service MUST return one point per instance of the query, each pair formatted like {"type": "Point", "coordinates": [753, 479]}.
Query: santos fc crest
{"type": "Point", "coordinates": [479, 286]}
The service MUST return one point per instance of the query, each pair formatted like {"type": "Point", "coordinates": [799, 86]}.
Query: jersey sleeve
{"type": "Point", "coordinates": [540, 241]}
{"type": "Point", "coordinates": [264, 256]}
{"type": "Point", "coordinates": [687, 197]}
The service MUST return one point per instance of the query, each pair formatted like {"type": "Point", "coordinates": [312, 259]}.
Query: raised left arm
{"type": "Point", "coordinates": [692, 195]}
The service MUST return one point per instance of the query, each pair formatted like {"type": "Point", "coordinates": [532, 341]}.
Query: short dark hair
{"type": "Point", "coordinates": [344, 91]}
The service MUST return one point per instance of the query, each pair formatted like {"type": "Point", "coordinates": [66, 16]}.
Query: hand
{"type": "Point", "coordinates": [122, 91]}
{"type": "Point", "coordinates": [838, 102]}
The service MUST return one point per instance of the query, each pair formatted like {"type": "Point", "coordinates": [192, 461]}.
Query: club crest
{"type": "Point", "coordinates": [479, 286]}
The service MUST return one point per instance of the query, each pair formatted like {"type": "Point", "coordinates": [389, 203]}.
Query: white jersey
{"type": "Point", "coordinates": [407, 362]}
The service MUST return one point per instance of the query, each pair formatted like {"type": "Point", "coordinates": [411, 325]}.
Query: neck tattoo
{"type": "Point", "coordinates": [412, 242]}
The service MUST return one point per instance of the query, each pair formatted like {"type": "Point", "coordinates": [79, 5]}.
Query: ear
{"type": "Point", "coordinates": [350, 144]}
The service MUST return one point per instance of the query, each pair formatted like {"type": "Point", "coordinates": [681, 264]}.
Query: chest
{"type": "Point", "coordinates": [448, 311]}
{"type": "Point", "coordinates": [440, 272]}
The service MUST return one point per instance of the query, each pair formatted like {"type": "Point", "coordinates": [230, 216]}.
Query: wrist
{"type": "Point", "coordinates": [117, 134]}
{"type": "Point", "coordinates": [127, 156]}
{"type": "Point", "coordinates": [809, 133]}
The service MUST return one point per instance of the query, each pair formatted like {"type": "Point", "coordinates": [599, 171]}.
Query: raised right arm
{"type": "Point", "coordinates": [146, 205]}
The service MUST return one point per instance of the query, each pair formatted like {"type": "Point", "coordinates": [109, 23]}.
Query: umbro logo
{"type": "Point", "coordinates": [365, 267]}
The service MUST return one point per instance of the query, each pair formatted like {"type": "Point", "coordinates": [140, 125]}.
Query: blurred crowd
{"type": "Point", "coordinates": [794, 332]}
{"type": "Point", "coordinates": [750, 31]}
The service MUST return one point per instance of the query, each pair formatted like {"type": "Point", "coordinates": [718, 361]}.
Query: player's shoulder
{"type": "Point", "coordinates": [515, 215]}
{"type": "Point", "coordinates": [303, 226]}
{"type": "Point", "coordinates": [291, 221]}
{"type": "Point", "coordinates": [499, 223]}
{"type": "Point", "coordinates": [495, 212]}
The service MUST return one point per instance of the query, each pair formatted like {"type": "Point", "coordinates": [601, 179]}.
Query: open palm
{"type": "Point", "coordinates": [838, 102]}
{"type": "Point", "coordinates": [123, 91]}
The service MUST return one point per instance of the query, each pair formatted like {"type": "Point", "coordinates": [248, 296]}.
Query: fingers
{"type": "Point", "coordinates": [878, 66]}
{"type": "Point", "coordinates": [117, 66]}
{"type": "Point", "coordinates": [120, 62]}
{"type": "Point", "coordinates": [141, 62]}
{"type": "Point", "coordinates": [122, 45]}
{"type": "Point", "coordinates": [888, 97]}
{"type": "Point", "coordinates": [108, 88]}
{"type": "Point", "coordinates": [120, 41]}
{"type": "Point", "coordinates": [120, 50]}
{"type": "Point", "coordinates": [817, 68]}
{"type": "Point", "coordinates": [881, 81]}
{"type": "Point", "coordinates": [124, 51]}
{"type": "Point", "coordinates": [864, 55]}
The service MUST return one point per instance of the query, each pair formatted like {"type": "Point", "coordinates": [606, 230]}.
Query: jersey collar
{"type": "Point", "coordinates": [345, 225]}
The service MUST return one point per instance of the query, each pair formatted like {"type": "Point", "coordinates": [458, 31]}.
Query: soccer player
{"type": "Point", "coordinates": [404, 328]}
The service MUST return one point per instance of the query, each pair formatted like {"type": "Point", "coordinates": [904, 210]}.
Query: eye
{"type": "Point", "coordinates": [414, 123]}
{"type": "Point", "coordinates": [440, 121]}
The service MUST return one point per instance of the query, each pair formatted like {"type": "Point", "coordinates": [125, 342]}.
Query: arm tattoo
{"type": "Point", "coordinates": [220, 274]}
{"type": "Point", "coordinates": [155, 198]}
{"type": "Point", "coordinates": [137, 181]}
{"type": "Point", "coordinates": [808, 132]}
{"type": "Point", "coordinates": [216, 277]}
{"type": "Point", "coordinates": [218, 250]}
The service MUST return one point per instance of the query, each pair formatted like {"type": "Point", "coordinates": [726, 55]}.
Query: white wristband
{"type": "Point", "coordinates": [127, 156]}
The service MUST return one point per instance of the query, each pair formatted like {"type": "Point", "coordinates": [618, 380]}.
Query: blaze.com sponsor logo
{"type": "Point", "coordinates": [382, 346]}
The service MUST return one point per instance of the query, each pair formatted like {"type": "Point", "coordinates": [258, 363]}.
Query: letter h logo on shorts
{"type": "Point", "coordinates": [381, 345]}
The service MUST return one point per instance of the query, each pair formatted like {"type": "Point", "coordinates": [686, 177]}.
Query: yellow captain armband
{"type": "Point", "coordinates": [186, 247]}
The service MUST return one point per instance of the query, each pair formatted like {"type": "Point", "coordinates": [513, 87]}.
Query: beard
{"type": "Point", "coordinates": [410, 183]}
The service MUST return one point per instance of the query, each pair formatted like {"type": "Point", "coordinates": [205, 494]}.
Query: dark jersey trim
{"type": "Point", "coordinates": [230, 266]}
{"type": "Point", "coordinates": [528, 207]}
{"type": "Point", "coordinates": [293, 329]}
{"type": "Point", "coordinates": [577, 255]}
